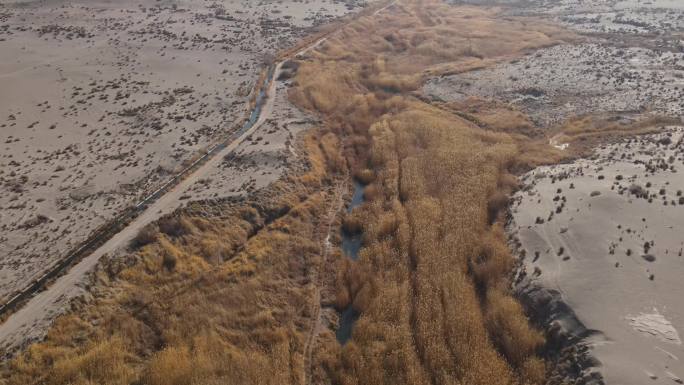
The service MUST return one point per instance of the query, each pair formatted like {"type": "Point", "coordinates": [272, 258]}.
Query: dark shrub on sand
{"type": "Point", "coordinates": [637, 190]}
{"type": "Point", "coordinates": [173, 226]}
{"type": "Point", "coordinates": [147, 235]}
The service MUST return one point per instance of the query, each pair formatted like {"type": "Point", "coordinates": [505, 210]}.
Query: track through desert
{"type": "Point", "coordinates": [34, 313]}
{"type": "Point", "coordinates": [38, 312]}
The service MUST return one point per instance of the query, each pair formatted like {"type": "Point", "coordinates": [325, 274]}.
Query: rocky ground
{"type": "Point", "coordinates": [103, 101]}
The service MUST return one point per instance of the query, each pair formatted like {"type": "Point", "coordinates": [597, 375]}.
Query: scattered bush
{"type": "Point", "coordinates": [145, 236]}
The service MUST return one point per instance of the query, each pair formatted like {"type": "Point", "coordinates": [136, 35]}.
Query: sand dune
{"type": "Point", "coordinates": [604, 234]}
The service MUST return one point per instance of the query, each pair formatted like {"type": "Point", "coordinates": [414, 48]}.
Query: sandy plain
{"type": "Point", "coordinates": [103, 101]}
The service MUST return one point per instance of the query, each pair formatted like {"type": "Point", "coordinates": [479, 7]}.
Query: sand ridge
{"type": "Point", "coordinates": [604, 233]}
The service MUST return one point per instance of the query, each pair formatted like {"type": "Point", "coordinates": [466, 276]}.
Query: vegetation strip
{"type": "Point", "coordinates": [227, 299]}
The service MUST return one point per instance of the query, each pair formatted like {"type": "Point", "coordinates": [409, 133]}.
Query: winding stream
{"type": "Point", "coordinates": [351, 244]}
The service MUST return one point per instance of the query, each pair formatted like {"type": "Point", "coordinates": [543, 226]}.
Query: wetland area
{"type": "Point", "coordinates": [425, 192]}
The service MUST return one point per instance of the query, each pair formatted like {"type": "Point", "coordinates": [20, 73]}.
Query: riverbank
{"type": "Point", "coordinates": [610, 225]}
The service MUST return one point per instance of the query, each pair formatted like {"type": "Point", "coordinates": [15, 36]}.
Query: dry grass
{"type": "Point", "coordinates": [432, 280]}
{"type": "Point", "coordinates": [227, 299]}
{"type": "Point", "coordinates": [433, 296]}
{"type": "Point", "coordinates": [219, 300]}
{"type": "Point", "coordinates": [584, 133]}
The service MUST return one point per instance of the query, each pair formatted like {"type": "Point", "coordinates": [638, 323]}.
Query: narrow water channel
{"type": "Point", "coordinates": [351, 244]}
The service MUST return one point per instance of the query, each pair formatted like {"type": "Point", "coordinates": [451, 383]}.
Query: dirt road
{"type": "Point", "coordinates": [28, 322]}
{"type": "Point", "coordinates": [33, 319]}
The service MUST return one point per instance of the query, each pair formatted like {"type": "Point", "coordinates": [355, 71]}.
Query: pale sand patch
{"type": "Point", "coordinates": [604, 233]}
{"type": "Point", "coordinates": [655, 324]}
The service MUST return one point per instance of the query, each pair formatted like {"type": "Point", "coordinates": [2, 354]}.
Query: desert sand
{"type": "Point", "coordinates": [101, 102]}
{"type": "Point", "coordinates": [603, 235]}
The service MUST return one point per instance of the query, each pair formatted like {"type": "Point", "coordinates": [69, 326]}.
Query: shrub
{"type": "Point", "coordinates": [497, 203]}
{"type": "Point", "coordinates": [365, 176]}
{"type": "Point", "coordinates": [169, 261]}
{"type": "Point", "coordinates": [370, 192]}
{"type": "Point", "coordinates": [171, 366]}
{"type": "Point", "coordinates": [174, 226]}
{"type": "Point", "coordinates": [352, 224]}
{"type": "Point", "coordinates": [145, 236]}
